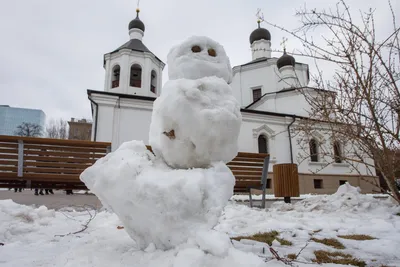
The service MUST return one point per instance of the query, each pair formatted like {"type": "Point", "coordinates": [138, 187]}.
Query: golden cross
{"type": "Point", "coordinates": [283, 43]}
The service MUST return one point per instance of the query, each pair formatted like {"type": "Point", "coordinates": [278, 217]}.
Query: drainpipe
{"type": "Point", "coordinates": [290, 138]}
{"type": "Point", "coordinates": [96, 115]}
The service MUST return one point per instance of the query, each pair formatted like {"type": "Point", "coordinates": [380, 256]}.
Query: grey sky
{"type": "Point", "coordinates": [52, 51]}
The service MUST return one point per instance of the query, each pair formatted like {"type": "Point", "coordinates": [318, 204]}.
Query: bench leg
{"type": "Point", "coordinates": [263, 199]}
{"type": "Point", "coordinates": [250, 198]}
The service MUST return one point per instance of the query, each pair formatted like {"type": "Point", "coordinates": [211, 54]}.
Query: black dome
{"type": "Point", "coordinates": [285, 60]}
{"type": "Point", "coordinates": [136, 23]}
{"type": "Point", "coordinates": [260, 33]}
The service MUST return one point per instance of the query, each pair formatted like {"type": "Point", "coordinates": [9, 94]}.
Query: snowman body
{"type": "Point", "coordinates": [196, 119]}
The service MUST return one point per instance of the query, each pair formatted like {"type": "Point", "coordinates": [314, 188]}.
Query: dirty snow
{"type": "Point", "coordinates": [29, 235]}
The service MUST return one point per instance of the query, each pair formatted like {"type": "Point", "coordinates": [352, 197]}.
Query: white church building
{"type": "Point", "coordinates": [266, 88]}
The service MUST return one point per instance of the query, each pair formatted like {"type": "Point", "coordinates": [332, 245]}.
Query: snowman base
{"type": "Point", "coordinates": [157, 204]}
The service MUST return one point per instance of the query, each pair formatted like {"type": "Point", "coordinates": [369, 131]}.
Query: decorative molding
{"type": "Point", "coordinates": [264, 129]}
{"type": "Point", "coordinates": [320, 138]}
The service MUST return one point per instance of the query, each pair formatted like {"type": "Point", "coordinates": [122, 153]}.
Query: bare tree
{"type": "Point", "coordinates": [29, 129]}
{"type": "Point", "coordinates": [360, 103]}
{"type": "Point", "coordinates": [57, 129]}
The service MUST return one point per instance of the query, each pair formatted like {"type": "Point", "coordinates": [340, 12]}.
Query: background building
{"type": "Point", "coordinates": [270, 91]}
{"type": "Point", "coordinates": [80, 129]}
{"type": "Point", "coordinates": [11, 118]}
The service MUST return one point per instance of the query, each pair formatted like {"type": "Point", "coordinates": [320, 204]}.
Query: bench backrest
{"type": "Point", "coordinates": [47, 160]}
{"type": "Point", "coordinates": [43, 159]}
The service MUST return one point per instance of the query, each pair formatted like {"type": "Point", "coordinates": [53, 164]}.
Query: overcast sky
{"type": "Point", "coordinates": [51, 51]}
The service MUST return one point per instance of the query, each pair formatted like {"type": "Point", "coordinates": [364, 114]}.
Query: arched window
{"type": "Point", "coordinates": [313, 150]}
{"type": "Point", "coordinates": [115, 76]}
{"type": "Point", "coordinates": [337, 152]}
{"type": "Point", "coordinates": [136, 76]}
{"type": "Point", "coordinates": [262, 144]}
{"type": "Point", "coordinates": [153, 83]}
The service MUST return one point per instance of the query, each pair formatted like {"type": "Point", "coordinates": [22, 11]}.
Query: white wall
{"type": "Point", "coordinates": [263, 74]}
{"type": "Point", "coordinates": [129, 119]}
{"type": "Point", "coordinates": [122, 119]}
{"type": "Point", "coordinates": [290, 102]}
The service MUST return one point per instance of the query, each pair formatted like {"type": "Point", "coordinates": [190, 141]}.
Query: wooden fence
{"type": "Point", "coordinates": [55, 163]}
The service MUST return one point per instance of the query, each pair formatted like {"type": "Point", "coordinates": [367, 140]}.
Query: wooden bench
{"type": "Point", "coordinates": [27, 162]}
{"type": "Point", "coordinates": [248, 170]}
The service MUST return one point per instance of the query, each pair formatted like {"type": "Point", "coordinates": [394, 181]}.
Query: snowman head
{"type": "Point", "coordinates": [199, 57]}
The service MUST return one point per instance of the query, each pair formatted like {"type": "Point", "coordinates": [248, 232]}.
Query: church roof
{"type": "Point", "coordinates": [257, 60]}
{"type": "Point", "coordinates": [259, 34]}
{"type": "Point", "coordinates": [285, 91]}
{"type": "Point", "coordinates": [285, 60]}
{"type": "Point", "coordinates": [135, 45]}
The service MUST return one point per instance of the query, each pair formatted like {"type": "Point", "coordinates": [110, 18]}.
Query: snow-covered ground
{"type": "Point", "coordinates": [30, 235]}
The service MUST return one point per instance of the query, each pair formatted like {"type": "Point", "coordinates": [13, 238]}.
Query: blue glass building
{"type": "Point", "coordinates": [11, 118]}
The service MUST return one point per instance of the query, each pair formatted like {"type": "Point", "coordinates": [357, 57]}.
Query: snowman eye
{"type": "Point", "coordinates": [212, 52]}
{"type": "Point", "coordinates": [196, 49]}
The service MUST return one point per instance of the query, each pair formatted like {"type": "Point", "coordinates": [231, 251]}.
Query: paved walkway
{"type": "Point", "coordinates": [56, 201]}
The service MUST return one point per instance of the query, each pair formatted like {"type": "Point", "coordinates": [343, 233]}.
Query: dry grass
{"type": "Point", "coordinates": [332, 242]}
{"type": "Point", "coordinates": [267, 237]}
{"type": "Point", "coordinates": [322, 256]}
{"type": "Point", "coordinates": [357, 237]}
{"type": "Point", "coordinates": [25, 217]}
{"type": "Point", "coordinates": [317, 231]}
{"type": "Point", "coordinates": [292, 256]}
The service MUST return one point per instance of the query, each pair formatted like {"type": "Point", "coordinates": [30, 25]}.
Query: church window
{"type": "Point", "coordinates": [115, 76]}
{"type": "Point", "coordinates": [136, 76]}
{"type": "Point", "coordinates": [262, 144]}
{"type": "Point", "coordinates": [256, 94]}
{"type": "Point", "coordinates": [313, 150]}
{"type": "Point", "coordinates": [337, 152]}
{"type": "Point", "coordinates": [153, 83]}
{"type": "Point", "coordinates": [318, 184]}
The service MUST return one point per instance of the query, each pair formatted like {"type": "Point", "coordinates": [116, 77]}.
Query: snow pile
{"type": "Point", "coordinates": [185, 63]}
{"type": "Point", "coordinates": [346, 199]}
{"type": "Point", "coordinates": [37, 243]}
{"type": "Point", "coordinates": [205, 119]}
{"type": "Point", "coordinates": [155, 203]}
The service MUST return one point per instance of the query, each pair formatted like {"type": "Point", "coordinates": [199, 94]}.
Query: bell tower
{"type": "Point", "coordinates": [132, 68]}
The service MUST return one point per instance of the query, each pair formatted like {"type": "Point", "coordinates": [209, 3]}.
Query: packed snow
{"type": "Point", "coordinates": [158, 205]}
{"type": "Point", "coordinates": [196, 119]}
{"type": "Point", "coordinates": [205, 118]}
{"type": "Point", "coordinates": [186, 62]}
{"type": "Point", "coordinates": [31, 235]}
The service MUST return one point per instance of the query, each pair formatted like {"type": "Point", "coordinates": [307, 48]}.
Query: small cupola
{"type": "Point", "coordinates": [285, 60]}
{"type": "Point", "coordinates": [260, 43]}
{"type": "Point", "coordinates": [260, 34]}
{"type": "Point", "coordinates": [136, 27]}
{"type": "Point", "coordinates": [286, 66]}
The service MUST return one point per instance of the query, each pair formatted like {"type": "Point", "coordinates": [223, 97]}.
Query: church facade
{"type": "Point", "coordinates": [267, 89]}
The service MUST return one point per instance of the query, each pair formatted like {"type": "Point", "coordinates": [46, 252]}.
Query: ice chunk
{"type": "Point", "coordinates": [348, 189]}
{"type": "Point", "coordinates": [155, 203]}
{"type": "Point", "coordinates": [214, 242]}
{"type": "Point", "coordinates": [199, 57]}
{"type": "Point", "coordinates": [195, 122]}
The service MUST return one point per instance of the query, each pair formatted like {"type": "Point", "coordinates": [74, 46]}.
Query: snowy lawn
{"type": "Point", "coordinates": [348, 227]}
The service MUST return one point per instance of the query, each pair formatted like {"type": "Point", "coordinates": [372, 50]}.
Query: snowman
{"type": "Point", "coordinates": [178, 193]}
{"type": "Point", "coordinates": [196, 120]}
